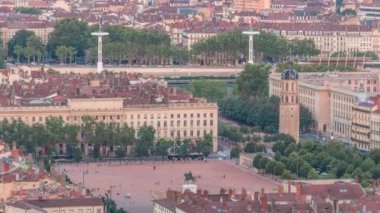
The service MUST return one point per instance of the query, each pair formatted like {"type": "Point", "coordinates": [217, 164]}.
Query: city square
{"type": "Point", "coordinates": [134, 185]}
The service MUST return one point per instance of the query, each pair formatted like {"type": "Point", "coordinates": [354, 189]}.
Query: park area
{"type": "Point", "coordinates": [134, 185]}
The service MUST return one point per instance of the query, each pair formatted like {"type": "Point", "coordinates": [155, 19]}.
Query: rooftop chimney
{"type": "Point", "coordinates": [199, 192]}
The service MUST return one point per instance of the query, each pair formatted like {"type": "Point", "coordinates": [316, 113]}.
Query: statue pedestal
{"type": "Point", "coordinates": [191, 187]}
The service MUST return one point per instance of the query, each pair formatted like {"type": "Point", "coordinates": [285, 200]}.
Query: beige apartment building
{"type": "Point", "coordinates": [337, 103]}
{"type": "Point", "coordinates": [252, 5]}
{"type": "Point", "coordinates": [375, 130]}
{"type": "Point", "coordinates": [190, 37]}
{"type": "Point", "coordinates": [79, 205]}
{"type": "Point", "coordinates": [41, 29]}
{"type": "Point", "coordinates": [329, 38]}
{"type": "Point", "coordinates": [361, 125]}
{"type": "Point", "coordinates": [171, 121]}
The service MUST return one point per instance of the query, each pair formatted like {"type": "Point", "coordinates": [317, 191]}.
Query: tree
{"type": "Point", "coordinates": [73, 152]}
{"type": "Point", "coordinates": [20, 39]}
{"type": "Point", "coordinates": [71, 52]}
{"type": "Point", "coordinates": [253, 81]}
{"type": "Point", "coordinates": [349, 12]}
{"type": "Point", "coordinates": [28, 10]}
{"type": "Point", "coordinates": [235, 152]}
{"type": "Point", "coordinates": [34, 47]}
{"type": "Point", "coordinates": [184, 148]}
{"type": "Point", "coordinates": [312, 175]}
{"type": "Point", "coordinates": [62, 53]}
{"type": "Point", "coordinates": [70, 32]}
{"type": "Point", "coordinates": [279, 168]}
{"type": "Point", "coordinates": [18, 50]}
{"type": "Point", "coordinates": [54, 128]}
{"type": "Point", "coordinates": [286, 174]}
{"type": "Point", "coordinates": [212, 90]}
{"type": "Point", "coordinates": [254, 147]}
{"type": "Point", "coordinates": [367, 164]}
{"type": "Point", "coordinates": [375, 171]}
{"type": "Point", "coordinates": [375, 155]}
{"type": "Point", "coordinates": [162, 147]}
{"type": "Point", "coordinates": [256, 160]}
{"type": "Point", "coordinates": [145, 140]}
{"type": "Point", "coordinates": [125, 135]}
{"type": "Point", "coordinates": [270, 166]}
{"type": "Point", "coordinates": [306, 119]}
{"type": "Point", "coordinates": [302, 48]}
{"type": "Point", "coordinates": [205, 146]}
{"type": "Point", "coordinates": [120, 153]}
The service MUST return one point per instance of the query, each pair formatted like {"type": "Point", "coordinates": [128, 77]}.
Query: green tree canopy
{"type": "Point", "coordinates": [70, 32]}
{"type": "Point", "coordinates": [213, 90]}
{"type": "Point", "coordinates": [19, 39]}
{"type": "Point", "coordinates": [253, 81]}
{"type": "Point", "coordinates": [145, 140]}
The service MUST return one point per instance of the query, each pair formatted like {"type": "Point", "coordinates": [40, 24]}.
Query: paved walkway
{"type": "Point", "coordinates": [143, 183]}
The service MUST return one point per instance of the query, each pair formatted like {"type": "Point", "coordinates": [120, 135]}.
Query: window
{"type": "Point", "coordinates": [98, 210]}
{"type": "Point", "coordinates": [71, 211]}
{"type": "Point", "coordinates": [204, 123]}
{"type": "Point", "coordinates": [88, 211]}
{"type": "Point", "coordinates": [211, 123]}
{"type": "Point", "coordinates": [118, 117]}
{"type": "Point", "coordinates": [178, 115]}
{"type": "Point", "coordinates": [158, 124]}
{"type": "Point", "coordinates": [62, 211]}
{"type": "Point", "coordinates": [211, 115]}
{"type": "Point", "coordinates": [80, 210]}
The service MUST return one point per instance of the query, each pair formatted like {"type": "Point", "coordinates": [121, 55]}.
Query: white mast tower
{"type": "Point", "coordinates": [100, 35]}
